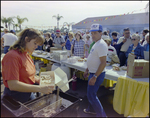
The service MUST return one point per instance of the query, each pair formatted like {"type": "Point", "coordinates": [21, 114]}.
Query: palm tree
{"type": "Point", "coordinates": [5, 21]}
{"type": "Point", "coordinates": [68, 24]}
{"type": "Point", "coordinates": [20, 21]}
{"type": "Point", "coordinates": [16, 25]}
{"type": "Point", "coordinates": [10, 21]}
{"type": "Point", "coordinates": [57, 18]}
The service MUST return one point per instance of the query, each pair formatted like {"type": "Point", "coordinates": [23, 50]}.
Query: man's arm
{"type": "Point", "coordinates": [63, 42]}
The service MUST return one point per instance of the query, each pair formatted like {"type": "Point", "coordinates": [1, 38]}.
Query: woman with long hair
{"type": "Point", "coordinates": [78, 46]}
{"type": "Point", "coordinates": [18, 69]}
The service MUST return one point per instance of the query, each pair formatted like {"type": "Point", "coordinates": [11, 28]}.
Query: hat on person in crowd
{"type": "Point", "coordinates": [57, 31]}
{"type": "Point", "coordinates": [12, 31]}
{"type": "Point", "coordinates": [96, 27]}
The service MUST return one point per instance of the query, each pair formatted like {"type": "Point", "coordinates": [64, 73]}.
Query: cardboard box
{"type": "Point", "coordinates": [47, 78]}
{"type": "Point", "coordinates": [59, 78]}
{"type": "Point", "coordinates": [137, 68]}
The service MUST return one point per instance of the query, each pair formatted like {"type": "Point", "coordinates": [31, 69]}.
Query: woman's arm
{"type": "Point", "coordinates": [71, 50]}
{"type": "Point", "coordinates": [84, 50]}
{"type": "Point", "coordinates": [15, 85]}
{"type": "Point", "coordinates": [141, 53]}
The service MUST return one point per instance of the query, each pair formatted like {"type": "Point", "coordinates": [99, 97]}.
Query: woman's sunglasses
{"type": "Point", "coordinates": [133, 39]}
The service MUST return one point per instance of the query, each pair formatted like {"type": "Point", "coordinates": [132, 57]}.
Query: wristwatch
{"type": "Point", "coordinates": [95, 76]}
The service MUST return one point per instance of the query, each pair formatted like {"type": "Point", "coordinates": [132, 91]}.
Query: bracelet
{"type": "Point", "coordinates": [95, 76]}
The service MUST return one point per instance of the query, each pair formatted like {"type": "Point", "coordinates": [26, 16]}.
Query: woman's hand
{"type": "Point", "coordinates": [87, 45]}
{"type": "Point", "coordinates": [46, 89]}
{"type": "Point", "coordinates": [37, 79]}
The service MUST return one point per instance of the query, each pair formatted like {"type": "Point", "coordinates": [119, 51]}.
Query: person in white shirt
{"type": "Point", "coordinates": [111, 51]}
{"type": "Point", "coordinates": [96, 63]}
{"type": "Point", "coordinates": [127, 42]}
{"type": "Point", "coordinates": [8, 39]}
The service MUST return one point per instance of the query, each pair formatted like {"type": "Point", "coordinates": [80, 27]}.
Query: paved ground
{"type": "Point", "coordinates": [105, 96]}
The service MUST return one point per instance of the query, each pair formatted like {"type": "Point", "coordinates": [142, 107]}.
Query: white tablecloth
{"type": "Point", "coordinates": [110, 73]}
{"type": "Point", "coordinates": [81, 66]}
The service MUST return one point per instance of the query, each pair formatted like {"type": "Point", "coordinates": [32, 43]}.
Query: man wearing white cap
{"type": "Point", "coordinates": [96, 63]}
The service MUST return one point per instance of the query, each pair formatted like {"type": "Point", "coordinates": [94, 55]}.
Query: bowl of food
{"type": "Point", "coordinates": [116, 68]}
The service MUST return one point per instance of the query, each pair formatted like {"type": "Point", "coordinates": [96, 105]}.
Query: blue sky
{"type": "Point", "coordinates": [39, 13]}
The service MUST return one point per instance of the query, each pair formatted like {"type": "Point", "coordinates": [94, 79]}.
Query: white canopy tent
{"type": "Point", "coordinates": [135, 22]}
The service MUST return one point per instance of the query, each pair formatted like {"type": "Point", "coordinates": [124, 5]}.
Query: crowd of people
{"type": "Point", "coordinates": [18, 69]}
{"type": "Point", "coordinates": [80, 44]}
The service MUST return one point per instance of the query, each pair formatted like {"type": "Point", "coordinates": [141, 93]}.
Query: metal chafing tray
{"type": "Point", "coordinates": [44, 106]}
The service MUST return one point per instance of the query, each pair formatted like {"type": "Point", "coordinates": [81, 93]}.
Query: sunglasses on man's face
{"type": "Point", "coordinates": [127, 33]}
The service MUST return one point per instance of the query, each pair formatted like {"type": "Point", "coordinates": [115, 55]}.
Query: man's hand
{"type": "Point", "coordinates": [85, 75]}
{"type": "Point", "coordinates": [63, 44]}
{"type": "Point", "coordinates": [114, 43]}
{"type": "Point", "coordinates": [92, 81]}
{"type": "Point", "coordinates": [124, 40]}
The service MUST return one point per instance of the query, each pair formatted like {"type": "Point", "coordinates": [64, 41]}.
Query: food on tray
{"type": "Point", "coordinates": [44, 53]}
{"type": "Point", "coordinates": [115, 65]}
{"type": "Point", "coordinates": [107, 64]}
{"type": "Point", "coordinates": [85, 59]}
{"type": "Point", "coordinates": [80, 60]}
{"type": "Point", "coordinates": [46, 79]}
{"type": "Point", "coordinates": [116, 68]}
{"type": "Point", "coordinates": [39, 53]}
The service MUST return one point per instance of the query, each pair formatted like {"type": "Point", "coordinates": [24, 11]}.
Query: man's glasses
{"type": "Point", "coordinates": [127, 33]}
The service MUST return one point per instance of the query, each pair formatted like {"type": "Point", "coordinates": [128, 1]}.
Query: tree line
{"type": "Point", "coordinates": [10, 21]}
